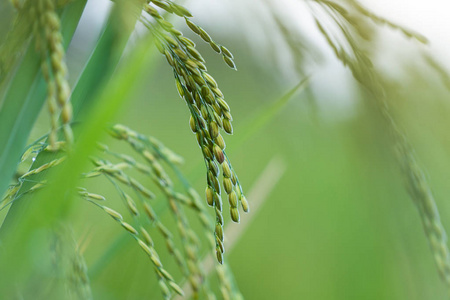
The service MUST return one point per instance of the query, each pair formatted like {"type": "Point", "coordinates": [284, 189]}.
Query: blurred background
{"type": "Point", "coordinates": [339, 223]}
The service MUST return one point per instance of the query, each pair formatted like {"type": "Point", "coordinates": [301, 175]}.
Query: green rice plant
{"type": "Point", "coordinates": [42, 35]}
{"type": "Point", "coordinates": [351, 54]}
{"type": "Point", "coordinates": [61, 165]}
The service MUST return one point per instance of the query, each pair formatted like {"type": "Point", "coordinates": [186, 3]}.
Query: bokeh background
{"type": "Point", "coordinates": [339, 223]}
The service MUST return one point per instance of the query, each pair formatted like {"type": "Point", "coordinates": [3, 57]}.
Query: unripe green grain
{"type": "Point", "coordinates": [163, 5]}
{"type": "Point", "coordinates": [164, 289]}
{"type": "Point", "coordinates": [209, 196]}
{"type": "Point", "coordinates": [218, 154]}
{"type": "Point", "coordinates": [233, 178]}
{"type": "Point", "coordinates": [217, 108]}
{"type": "Point", "coordinates": [244, 203]}
{"type": "Point", "coordinates": [192, 26]}
{"type": "Point", "coordinates": [147, 238]}
{"type": "Point", "coordinates": [172, 42]}
{"type": "Point", "coordinates": [204, 35]}
{"type": "Point", "coordinates": [227, 185]}
{"type": "Point", "coordinates": [232, 199]}
{"type": "Point", "coordinates": [219, 232]}
{"type": "Point", "coordinates": [219, 256]}
{"type": "Point", "coordinates": [213, 129]}
{"type": "Point", "coordinates": [190, 45]}
{"type": "Point", "coordinates": [112, 213]}
{"type": "Point", "coordinates": [227, 126]}
{"type": "Point", "coordinates": [176, 288]}
{"type": "Point", "coordinates": [219, 141]}
{"type": "Point", "coordinates": [152, 11]}
{"type": "Point", "coordinates": [194, 53]}
{"type": "Point", "coordinates": [214, 46]}
{"type": "Point", "coordinates": [211, 81]}
{"type": "Point", "coordinates": [234, 213]}
{"type": "Point", "coordinates": [226, 52]}
{"type": "Point", "coordinates": [219, 245]}
{"type": "Point", "coordinates": [227, 115]}
{"type": "Point", "coordinates": [226, 170]}
{"type": "Point", "coordinates": [229, 62]}
{"type": "Point", "coordinates": [214, 168]}
{"type": "Point", "coordinates": [223, 104]}
{"type": "Point", "coordinates": [131, 205]}
{"type": "Point", "coordinates": [129, 228]}
{"type": "Point", "coordinates": [214, 181]}
{"type": "Point", "coordinates": [207, 153]}
{"type": "Point", "coordinates": [95, 197]}
{"type": "Point", "coordinates": [165, 24]}
{"type": "Point", "coordinates": [204, 111]}
{"type": "Point", "coordinates": [217, 92]}
{"type": "Point", "coordinates": [218, 202]}
{"type": "Point", "coordinates": [219, 216]}
{"type": "Point", "coordinates": [181, 11]}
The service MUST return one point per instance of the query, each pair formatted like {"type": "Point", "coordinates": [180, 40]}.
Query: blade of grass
{"type": "Point", "coordinates": [267, 114]}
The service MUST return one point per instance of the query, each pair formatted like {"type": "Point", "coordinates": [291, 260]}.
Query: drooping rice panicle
{"type": "Point", "coordinates": [188, 236]}
{"type": "Point", "coordinates": [47, 30]}
{"type": "Point", "coordinates": [382, 21]}
{"type": "Point", "coordinates": [138, 143]}
{"type": "Point", "coordinates": [225, 278]}
{"type": "Point", "coordinates": [213, 155]}
{"type": "Point", "coordinates": [165, 280]}
{"type": "Point", "coordinates": [173, 8]}
{"type": "Point", "coordinates": [209, 111]}
{"type": "Point", "coordinates": [415, 182]}
{"type": "Point", "coordinates": [109, 170]}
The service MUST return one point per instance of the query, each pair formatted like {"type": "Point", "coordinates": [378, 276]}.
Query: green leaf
{"type": "Point", "coordinates": [267, 114]}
